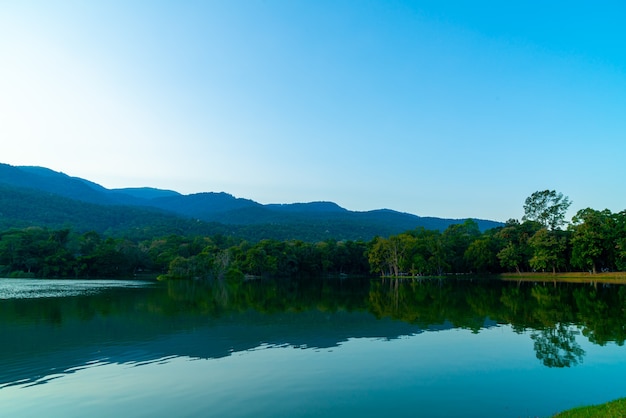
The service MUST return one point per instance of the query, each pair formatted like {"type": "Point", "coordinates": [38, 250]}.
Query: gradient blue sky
{"type": "Point", "coordinates": [436, 108]}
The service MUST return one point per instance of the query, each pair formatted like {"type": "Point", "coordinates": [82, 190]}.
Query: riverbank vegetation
{"type": "Point", "coordinates": [614, 409]}
{"type": "Point", "coordinates": [594, 242]}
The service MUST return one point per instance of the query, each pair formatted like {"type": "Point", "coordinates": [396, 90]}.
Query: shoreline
{"type": "Point", "coordinates": [618, 277]}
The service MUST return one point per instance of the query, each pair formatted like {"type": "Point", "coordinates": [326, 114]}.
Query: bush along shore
{"type": "Point", "coordinates": [613, 409]}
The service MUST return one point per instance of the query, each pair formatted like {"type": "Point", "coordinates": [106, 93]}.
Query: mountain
{"type": "Point", "coordinates": [145, 192]}
{"type": "Point", "coordinates": [40, 196]}
{"type": "Point", "coordinates": [23, 207]}
{"type": "Point", "coordinates": [205, 206]}
{"type": "Point", "coordinates": [44, 179]}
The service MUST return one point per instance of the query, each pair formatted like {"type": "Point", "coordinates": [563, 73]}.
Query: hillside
{"type": "Point", "coordinates": [21, 208]}
{"type": "Point", "coordinates": [39, 196]}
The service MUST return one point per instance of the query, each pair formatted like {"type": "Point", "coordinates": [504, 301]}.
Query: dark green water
{"type": "Point", "coordinates": [325, 347]}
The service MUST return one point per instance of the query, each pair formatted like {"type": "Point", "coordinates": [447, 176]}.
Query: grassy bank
{"type": "Point", "coordinates": [571, 277]}
{"type": "Point", "coordinates": [613, 409]}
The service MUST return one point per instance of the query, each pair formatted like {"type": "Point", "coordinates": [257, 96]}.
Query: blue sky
{"type": "Point", "coordinates": [450, 109]}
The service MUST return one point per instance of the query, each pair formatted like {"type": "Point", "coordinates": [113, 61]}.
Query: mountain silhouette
{"type": "Point", "coordinates": [43, 197]}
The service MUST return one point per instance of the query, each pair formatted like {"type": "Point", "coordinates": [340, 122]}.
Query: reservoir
{"type": "Point", "coordinates": [307, 348]}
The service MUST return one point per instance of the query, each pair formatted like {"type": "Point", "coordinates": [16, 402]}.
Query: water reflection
{"type": "Point", "coordinates": [38, 289]}
{"type": "Point", "coordinates": [557, 347]}
{"type": "Point", "coordinates": [43, 338]}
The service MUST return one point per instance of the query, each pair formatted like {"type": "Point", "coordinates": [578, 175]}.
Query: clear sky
{"type": "Point", "coordinates": [437, 108]}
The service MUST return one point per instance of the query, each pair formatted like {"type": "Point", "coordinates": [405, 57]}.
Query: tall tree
{"type": "Point", "coordinates": [546, 207]}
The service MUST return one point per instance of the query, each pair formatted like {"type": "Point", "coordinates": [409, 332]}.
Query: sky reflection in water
{"type": "Point", "coordinates": [33, 288]}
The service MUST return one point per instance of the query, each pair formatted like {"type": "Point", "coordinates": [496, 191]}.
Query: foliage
{"type": "Point", "coordinates": [548, 248]}
{"type": "Point", "coordinates": [595, 239]}
{"type": "Point", "coordinates": [613, 409]}
{"type": "Point", "coordinates": [516, 251]}
{"type": "Point", "coordinates": [546, 207]}
{"type": "Point", "coordinates": [43, 252]}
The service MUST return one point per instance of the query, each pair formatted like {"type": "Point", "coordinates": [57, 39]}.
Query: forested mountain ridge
{"type": "Point", "coordinates": [43, 197]}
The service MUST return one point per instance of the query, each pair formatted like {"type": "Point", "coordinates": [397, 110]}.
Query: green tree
{"type": "Point", "coordinates": [37, 252]}
{"type": "Point", "coordinates": [546, 207]}
{"type": "Point", "coordinates": [427, 254]}
{"type": "Point", "coordinates": [593, 239]}
{"type": "Point", "coordinates": [456, 240]}
{"type": "Point", "coordinates": [516, 250]}
{"type": "Point", "coordinates": [390, 256]}
{"type": "Point", "coordinates": [481, 255]}
{"type": "Point", "coordinates": [379, 257]}
{"type": "Point", "coordinates": [57, 259]}
{"type": "Point", "coordinates": [548, 250]}
{"type": "Point", "coordinates": [107, 260]}
{"type": "Point", "coordinates": [620, 240]}
{"type": "Point", "coordinates": [355, 261]}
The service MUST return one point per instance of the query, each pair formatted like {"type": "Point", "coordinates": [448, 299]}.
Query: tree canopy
{"type": "Point", "coordinates": [546, 207]}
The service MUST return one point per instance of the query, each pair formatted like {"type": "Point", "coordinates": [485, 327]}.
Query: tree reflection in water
{"type": "Point", "coordinates": [557, 347]}
{"type": "Point", "coordinates": [553, 314]}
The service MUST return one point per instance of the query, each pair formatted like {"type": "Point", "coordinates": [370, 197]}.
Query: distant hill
{"type": "Point", "coordinates": [40, 196]}
{"type": "Point", "coordinates": [146, 192]}
{"type": "Point", "coordinates": [22, 208]}
{"type": "Point", "coordinates": [204, 206]}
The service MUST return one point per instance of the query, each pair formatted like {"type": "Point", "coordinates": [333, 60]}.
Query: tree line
{"type": "Point", "coordinates": [593, 241]}
{"type": "Point", "coordinates": [61, 253]}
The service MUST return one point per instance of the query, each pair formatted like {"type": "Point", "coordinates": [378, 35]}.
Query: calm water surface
{"type": "Point", "coordinates": [308, 348]}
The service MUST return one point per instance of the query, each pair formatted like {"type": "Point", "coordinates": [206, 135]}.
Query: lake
{"type": "Point", "coordinates": [308, 348]}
